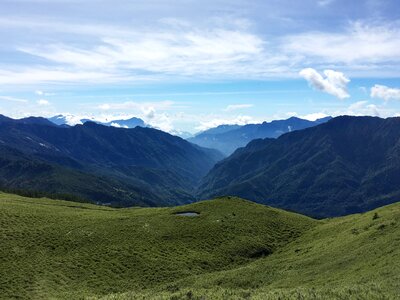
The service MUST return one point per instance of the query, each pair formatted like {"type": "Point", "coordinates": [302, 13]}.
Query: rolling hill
{"type": "Point", "coordinates": [233, 249]}
{"type": "Point", "coordinates": [228, 138]}
{"type": "Point", "coordinates": [125, 167]}
{"type": "Point", "coordinates": [347, 165]}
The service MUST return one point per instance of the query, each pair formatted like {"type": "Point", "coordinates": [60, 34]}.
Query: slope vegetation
{"type": "Point", "coordinates": [59, 249]}
{"type": "Point", "coordinates": [126, 167]}
{"type": "Point", "coordinates": [347, 165]}
{"type": "Point", "coordinates": [352, 257]}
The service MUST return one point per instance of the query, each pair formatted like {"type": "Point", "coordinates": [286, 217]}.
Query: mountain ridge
{"type": "Point", "coordinates": [347, 165]}
{"type": "Point", "coordinates": [228, 138]}
{"type": "Point", "coordinates": [140, 164]}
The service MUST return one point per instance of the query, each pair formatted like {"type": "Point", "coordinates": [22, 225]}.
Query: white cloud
{"type": "Point", "coordinates": [360, 43]}
{"type": "Point", "coordinates": [71, 119]}
{"type": "Point", "coordinates": [314, 116]}
{"type": "Point", "coordinates": [334, 83]}
{"type": "Point", "coordinates": [232, 107]}
{"type": "Point", "coordinates": [149, 112]}
{"type": "Point", "coordinates": [42, 93]}
{"type": "Point", "coordinates": [359, 108]}
{"type": "Point", "coordinates": [43, 102]}
{"type": "Point", "coordinates": [239, 120]}
{"type": "Point", "coordinates": [211, 49]}
{"type": "Point", "coordinates": [132, 105]}
{"type": "Point", "coordinates": [162, 121]}
{"type": "Point", "coordinates": [384, 92]}
{"type": "Point", "coordinates": [364, 108]}
{"type": "Point", "coordinates": [46, 75]}
{"type": "Point", "coordinates": [114, 124]}
{"type": "Point", "coordinates": [13, 99]}
{"type": "Point", "coordinates": [183, 51]}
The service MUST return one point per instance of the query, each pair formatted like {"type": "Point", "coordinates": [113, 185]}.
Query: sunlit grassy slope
{"type": "Point", "coordinates": [59, 249]}
{"type": "Point", "coordinates": [233, 250]}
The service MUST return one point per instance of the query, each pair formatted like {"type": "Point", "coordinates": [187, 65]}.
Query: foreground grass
{"type": "Point", "coordinates": [234, 249]}
{"type": "Point", "coordinates": [353, 257]}
{"type": "Point", "coordinates": [66, 250]}
{"type": "Point", "coordinates": [357, 292]}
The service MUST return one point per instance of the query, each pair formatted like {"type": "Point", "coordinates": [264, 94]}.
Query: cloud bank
{"type": "Point", "coordinates": [182, 49]}
{"type": "Point", "coordinates": [385, 93]}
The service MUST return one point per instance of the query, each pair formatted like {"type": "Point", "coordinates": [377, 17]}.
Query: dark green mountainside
{"type": "Point", "coordinates": [139, 166]}
{"type": "Point", "coordinates": [347, 165]}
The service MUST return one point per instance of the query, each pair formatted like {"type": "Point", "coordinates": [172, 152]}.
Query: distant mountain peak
{"type": "Point", "coordinates": [73, 120]}
{"type": "Point", "coordinates": [228, 138]}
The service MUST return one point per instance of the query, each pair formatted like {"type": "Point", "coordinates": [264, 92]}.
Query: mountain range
{"type": "Point", "coordinates": [342, 166]}
{"type": "Point", "coordinates": [227, 138]}
{"type": "Point", "coordinates": [347, 165]}
{"type": "Point", "coordinates": [68, 120]}
{"type": "Point", "coordinates": [124, 123]}
{"type": "Point", "coordinates": [138, 166]}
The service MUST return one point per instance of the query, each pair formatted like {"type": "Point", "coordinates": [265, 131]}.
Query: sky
{"type": "Point", "coordinates": [186, 65]}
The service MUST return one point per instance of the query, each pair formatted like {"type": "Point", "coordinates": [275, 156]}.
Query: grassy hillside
{"type": "Point", "coordinates": [233, 249]}
{"type": "Point", "coordinates": [353, 257]}
{"type": "Point", "coordinates": [358, 252]}
{"type": "Point", "coordinates": [66, 250]}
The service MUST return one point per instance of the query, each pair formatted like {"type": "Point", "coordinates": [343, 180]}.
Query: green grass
{"type": "Point", "coordinates": [357, 292]}
{"type": "Point", "coordinates": [234, 249]}
{"type": "Point", "coordinates": [62, 249]}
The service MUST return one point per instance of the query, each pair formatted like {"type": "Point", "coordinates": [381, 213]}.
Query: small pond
{"type": "Point", "coordinates": [187, 214]}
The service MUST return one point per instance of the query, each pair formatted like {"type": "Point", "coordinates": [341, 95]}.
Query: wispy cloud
{"type": "Point", "coordinates": [360, 44]}
{"type": "Point", "coordinates": [239, 120]}
{"type": "Point", "coordinates": [13, 99]}
{"type": "Point", "coordinates": [30, 76]}
{"type": "Point", "coordinates": [183, 49]}
{"type": "Point", "coordinates": [43, 102]}
{"type": "Point", "coordinates": [314, 116]}
{"type": "Point", "coordinates": [43, 93]}
{"type": "Point", "coordinates": [359, 108]}
{"type": "Point", "coordinates": [132, 105]}
{"type": "Point", "coordinates": [385, 93]}
{"type": "Point", "coordinates": [364, 108]}
{"type": "Point", "coordinates": [233, 107]}
{"type": "Point", "coordinates": [334, 83]}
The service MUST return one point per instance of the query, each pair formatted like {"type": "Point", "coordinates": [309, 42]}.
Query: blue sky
{"type": "Point", "coordinates": [190, 65]}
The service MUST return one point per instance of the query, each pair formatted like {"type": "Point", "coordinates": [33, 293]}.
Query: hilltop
{"type": "Point", "coordinates": [59, 249]}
